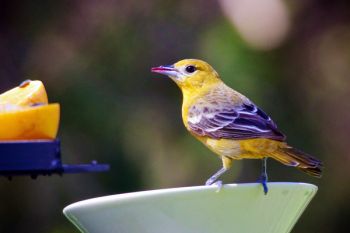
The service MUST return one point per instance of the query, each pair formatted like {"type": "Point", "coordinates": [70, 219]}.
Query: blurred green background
{"type": "Point", "coordinates": [292, 58]}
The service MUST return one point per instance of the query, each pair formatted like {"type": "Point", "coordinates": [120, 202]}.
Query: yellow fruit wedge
{"type": "Point", "coordinates": [39, 122]}
{"type": "Point", "coordinates": [28, 93]}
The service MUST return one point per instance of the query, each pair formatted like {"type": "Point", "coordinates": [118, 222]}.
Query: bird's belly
{"type": "Point", "coordinates": [241, 149]}
{"type": "Point", "coordinates": [224, 147]}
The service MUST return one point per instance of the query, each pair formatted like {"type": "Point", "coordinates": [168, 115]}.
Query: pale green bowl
{"type": "Point", "coordinates": [239, 208]}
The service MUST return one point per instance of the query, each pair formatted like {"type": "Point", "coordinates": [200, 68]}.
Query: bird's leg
{"type": "Point", "coordinates": [227, 163]}
{"type": "Point", "coordinates": [214, 177]}
{"type": "Point", "coordinates": [263, 178]}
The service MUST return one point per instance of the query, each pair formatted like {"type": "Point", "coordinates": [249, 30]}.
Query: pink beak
{"type": "Point", "coordinates": [166, 70]}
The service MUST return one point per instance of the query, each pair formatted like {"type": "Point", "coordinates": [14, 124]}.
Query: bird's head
{"type": "Point", "coordinates": [189, 74]}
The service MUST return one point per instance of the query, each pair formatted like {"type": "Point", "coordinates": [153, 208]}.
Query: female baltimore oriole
{"type": "Point", "coordinates": [228, 123]}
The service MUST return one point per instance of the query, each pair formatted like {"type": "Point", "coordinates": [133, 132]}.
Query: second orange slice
{"type": "Point", "coordinates": [27, 94]}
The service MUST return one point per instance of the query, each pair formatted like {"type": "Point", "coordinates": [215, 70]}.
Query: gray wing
{"type": "Point", "coordinates": [244, 121]}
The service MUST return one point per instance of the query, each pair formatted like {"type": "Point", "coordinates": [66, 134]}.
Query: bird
{"type": "Point", "coordinates": [230, 124]}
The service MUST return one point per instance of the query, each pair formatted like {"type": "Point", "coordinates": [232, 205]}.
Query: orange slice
{"type": "Point", "coordinates": [39, 122]}
{"type": "Point", "coordinates": [28, 93]}
{"type": "Point", "coordinates": [25, 113]}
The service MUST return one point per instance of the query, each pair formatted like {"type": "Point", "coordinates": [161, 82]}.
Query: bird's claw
{"type": "Point", "coordinates": [209, 182]}
{"type": "Point", "coordinates": [218, 183]}
{"type": "Point", "coordinates": [263, 181]}
{"type": "Point", "coordinates": [266, 189]}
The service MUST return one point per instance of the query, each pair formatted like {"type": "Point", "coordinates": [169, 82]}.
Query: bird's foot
{"type": "Point", "coordinates": [210, 181]}
{"type": "Point", "coordinates": [263, 181]}
{"type": "Point", "coordinates": [219, 184]}
{"type": "Point", "coordinates": [213, 182]}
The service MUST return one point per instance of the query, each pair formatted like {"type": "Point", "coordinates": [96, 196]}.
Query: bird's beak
{"type": "Point", "coordinates": [168, 70]}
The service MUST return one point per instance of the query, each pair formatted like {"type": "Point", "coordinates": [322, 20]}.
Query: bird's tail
{"type": "Point", "coordinates": [296, 158]}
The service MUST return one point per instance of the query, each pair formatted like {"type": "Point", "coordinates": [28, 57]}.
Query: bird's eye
{"type": "Point", "coordinates": [190, 69]}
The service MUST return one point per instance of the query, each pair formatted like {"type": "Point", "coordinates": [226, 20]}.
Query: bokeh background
{"type": "Point", "coordinates": [292, 58]}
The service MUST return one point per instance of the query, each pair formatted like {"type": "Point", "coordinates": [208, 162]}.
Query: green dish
{"type": "Point", "coordinates": [241, 208]}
